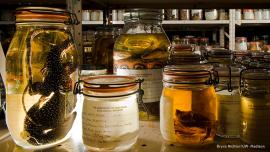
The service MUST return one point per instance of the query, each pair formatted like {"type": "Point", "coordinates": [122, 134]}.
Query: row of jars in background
{"type": "Point", "coordinates": [92, 15]}
{"type": "Point", "coordinates": [258, 44]}
{"type": "Point", "coordinates": [252, 14]}
{"type": "Point", "coordinates": [195, 14]}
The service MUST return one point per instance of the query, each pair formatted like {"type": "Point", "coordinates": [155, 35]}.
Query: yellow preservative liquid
{"type": "Point", "coordinates": [188, 116]}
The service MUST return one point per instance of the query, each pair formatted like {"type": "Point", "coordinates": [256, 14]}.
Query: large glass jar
{"type": "Point", "coordinates": [41, 68]}
{"type": "Point", "coordinates": [142, 50]}
{"type": "Point", "coordinates": [110, 116]}
{"type": "Point", "coordinates": [255, 109]}
{"type": "Point", "coordinates": [228, 102]}
{"type": "Point", "coordinates": [188, 105]}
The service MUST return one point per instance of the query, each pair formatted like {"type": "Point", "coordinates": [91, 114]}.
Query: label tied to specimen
{"type": "Point", "coordinates": [108, 124]}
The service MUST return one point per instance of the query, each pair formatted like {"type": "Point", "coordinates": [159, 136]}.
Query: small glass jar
{"type": "Point", "coordinates": [114, 15]}
{"type": "Point", "coordinates": [141, 50]}
{"type": "Point", "coordinates": [172, 14]}
{"type": "Point", "coordinates": [188, 105]}
{"type": "Point", "coordinates": [95, 15]}
{"type": "Point", "coordinates": [255, 109]}
{"type": "Point", "coordinates": [241, 44]}
{"type": "Point", "coordinates": [211, 14]}
{"type": "Point", "coordinates": [185, 14]}
{"type": "Point", "coordinates": [86, 15]}
{"type": "Point", "coordinates": [175, 40]}
{"type": "Point", "coordinates": [254, 46]}
{"type": "Point", "coordinates": [110, 116]}
{"type": "Point", "coordinates": [238, 14]}
{"type": "Point", "coordinates": [258, 14]}
{"type": "Point", "coordinates": [204, 41]}
{"type": "Point", "coordinates": [223, 15]}
{"type": "Point", "coordinates": [196, 14]}
{"type": "Point", "coordinates": [100, 15]}
{"type": "Point", "coordinates": [120, 15]}
{"type": "Point", "coordinates": [103, 50]}
{"type": "Point", "coordinates": [248, 14]}
{"type": "Point", "coordinates": [184, 41]}
{"type": "Point", "coordinates": [266, 14]}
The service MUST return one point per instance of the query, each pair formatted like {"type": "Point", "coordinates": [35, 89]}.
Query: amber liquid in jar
{"type": "Point", "coordinates": [43, 117]}
{"type": "Point", "coordinates": [143, 55]}
{"type": "Point", "coordinates": [193, 113]}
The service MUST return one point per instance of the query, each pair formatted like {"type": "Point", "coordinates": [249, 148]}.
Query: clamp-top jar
{"type": "Point", "coordinates": [188, 105]}
{"type": "Point", "coordinates": [41, 69]}
{"type": "Point", "coordinates": [142, 50]}
{"type": "Point", "coordinates": [255, 106]}
{"type": "Point", "coordinates": [227, 92]}
{"type": "Point", "coordinates": [110, 117]}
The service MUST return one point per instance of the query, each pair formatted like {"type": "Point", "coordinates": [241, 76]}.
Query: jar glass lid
{"type": "Point", "coordinates": [44, 14]}
{"type": "Point", "coordinates": [109, 83]}
{"type": "Point", "coordinates": [189, 74]}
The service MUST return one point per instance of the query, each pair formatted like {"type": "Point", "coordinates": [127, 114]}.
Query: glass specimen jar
{"type": "Point", "coordinates": [255, 109]}
{"type": "Point", "coordinates": [188, 105]}
{"type": "Point", "coordinates": [228, 98]}
{"type": "Point", "coordinates": [211, 14]}
{"type": "Point", "coordinates": [142, 50]}
{"type": "Point", "coordinates": [110, 117]}
{"type": "Point", "coordinates": [228, 101]}
{"type": "Point", "coordinates": [255, 46]}
{"type": "Point", "coordinates": [241, 44]}
{"type": "Point", "coordinates": [196, 14]}
{"type": "Point", "coordinates": [184, 14]}
{"type": "Point", "coordinates": [41, 68]}
{"type": "Point", "coordinates": [248, 14]}
{"type": "Point", "coordinates": [103, 50]}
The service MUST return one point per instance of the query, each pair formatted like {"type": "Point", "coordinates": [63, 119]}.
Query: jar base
{"type": "Point", "coordinates": [121, 148]}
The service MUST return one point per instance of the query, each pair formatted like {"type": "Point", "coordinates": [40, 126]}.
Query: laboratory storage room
{"type": "Point", "coordinates": [135, 76]}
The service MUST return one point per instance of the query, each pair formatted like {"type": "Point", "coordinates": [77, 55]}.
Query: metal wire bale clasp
{"type": "Point", "coordinates": [79, 90]}
{"type": "Point", "coordinates": [73, 20]}
{"type": "Point", "coordinates": [229, 84]}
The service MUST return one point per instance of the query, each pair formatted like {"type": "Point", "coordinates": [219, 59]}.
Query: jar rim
{"type": "Point", "coordinates": [109, 83]}
{"type": "Point", "coordinates": [42, 14]}
{"type": "Point", "coordinates": [188, 74]}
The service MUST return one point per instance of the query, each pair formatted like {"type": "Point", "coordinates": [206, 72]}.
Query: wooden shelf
{"type": "Point", "coordinates": [180, 3]}
{"type": "Point", "coordinates": [252, 22]}
{"type": "Point", "coordinates": [169, 22]}
{"type": "Point", "coordinates": [199, 22]}
{"type": "Point", "coordinates": [7, 22]}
